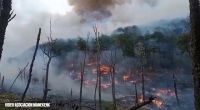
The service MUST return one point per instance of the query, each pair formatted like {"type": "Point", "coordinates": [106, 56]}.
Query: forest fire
{"type": "Point", "coordinates": [103, 69]}
{"type": "Point", "coordinates": [126, 77]}
{"type": "Point", "coordinates": [141, 61]}
{"type": "Point", "coordinates": [160, 92]}
{"type": "Point", "coordinates": [158, 103]}
{"type": "Point", "coordinates": [105, 86]}
{"type": "Point", "coordinates": [125, 81]}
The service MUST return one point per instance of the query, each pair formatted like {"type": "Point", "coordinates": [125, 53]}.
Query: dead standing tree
{"type": "Point", "coordinates": [112, 74]}
{"type": "Point", "coordinates": [19, 74]}
{"type": "Point", "coordinates": [31, 66]}
{"type": "Point", "coordinates": [48, 49]}
{"type": "Point", "coordinates": [98, 82]}
{"type": "Point", "coordinates": [2, 83]}
{"type": "Point", "coordinates": [140, 51]}
{"type": "Point", "coordinates": [5, 17]}
{"type": "Point", "coordinates": [83, 70]}
{"type": "Point", "coordinates": [175, 90]}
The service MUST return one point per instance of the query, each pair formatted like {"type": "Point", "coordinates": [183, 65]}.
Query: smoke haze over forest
{"type": "Point", "coordinates": [160, 27]}
{"type": "Point", "coordinates": [66, 20]}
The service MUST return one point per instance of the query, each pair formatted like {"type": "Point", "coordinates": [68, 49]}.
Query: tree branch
{"type": "Point", "coordinates": [139, 105]}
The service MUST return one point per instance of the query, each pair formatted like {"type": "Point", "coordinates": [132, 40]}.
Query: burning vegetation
{"type": "Point", "coordinates": [135, 69]}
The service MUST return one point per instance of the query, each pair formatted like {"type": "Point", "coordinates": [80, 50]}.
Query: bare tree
{"type": "Point", "coordinates": [31, 66]}
{"type": "Point", "coordinates": [5, 17]}
{"type": "Point", "coordinates": [175, 89]}
{"type": "Point", "coordinates": [136, 94]}
{"type": "Point", "coordinates": [98, 64]}
{"type": "Point", "coordinates": [2, 82]}
{"type": "Point", "coordinates": [19, 74]}
{"type": "Point", "coordinates": [113, 72]}
{"type": "Point", "coordinates": [48, 49]}
{"type": "Point", "coordinates": [0, 77]}
{"type": "Point", "coordinates": [112, 75]}
{"type": "Point", "coordinates": [140, 51]}
{"type": "Point", "coordinates": [83, 71]}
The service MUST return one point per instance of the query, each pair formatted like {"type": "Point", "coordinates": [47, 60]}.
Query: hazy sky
{"type": "Point", "coordinates": [22, 30]}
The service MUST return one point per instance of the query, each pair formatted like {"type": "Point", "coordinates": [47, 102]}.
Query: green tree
{"type": "Point", "coordinates": [126, 43]}
{"type": "Point", "coordinates": [183, 44]}
{"type": "Point", "coordinates": [105, 43]}
{"type": "Point", "coordinates": [82, 45]}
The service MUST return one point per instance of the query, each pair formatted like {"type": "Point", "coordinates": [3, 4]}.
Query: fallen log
{"type": "Point", "coordinates": [139, 105]}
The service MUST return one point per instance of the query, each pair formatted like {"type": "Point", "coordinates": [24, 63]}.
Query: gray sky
{"type": "Point", "coordinates": [22, 30]}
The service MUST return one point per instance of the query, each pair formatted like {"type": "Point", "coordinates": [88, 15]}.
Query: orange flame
{"type": "Point", "coordinates": [158, 103]}
{"type": "Point", "coordinates": [126, 77]}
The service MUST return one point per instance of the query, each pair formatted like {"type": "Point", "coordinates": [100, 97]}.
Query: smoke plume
{"type": "Point", "coordinates": [101, 9]}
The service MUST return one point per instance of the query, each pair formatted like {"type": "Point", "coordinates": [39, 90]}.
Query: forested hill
{"type": "Point", "coordinates": [175, 27]}
{"type": "Point", "coordinates": [165, 37]}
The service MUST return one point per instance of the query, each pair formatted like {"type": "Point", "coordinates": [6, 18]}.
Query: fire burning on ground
{"type": "Point", "coordinates": [157, 84]}
{"type": "Point", "coordinates": [123, 81]}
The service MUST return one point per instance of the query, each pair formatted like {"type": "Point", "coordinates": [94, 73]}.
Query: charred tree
{"type": "Point", "coordinates": [141, 53]}
{"type": "Point", "coordinates": [113, 88]}
{"type": "Point", "coordinates": [95, 91]}
{"type": "Point", "coordinates": [143, 89]}
{"type": "Point", "coordinates": [48, 48]}
{"type": "Point", "coordinates": [136, 94]}
{"type": "Point", "coordinates": [5, 17]}
{"type": "Point", "coordinates": [139, 105]}
{"type": "Point", "coordinates": [71, 94]}
{"type": "Point", "coordinates": [2, 82]}
{"type": "Point", "coordinates": [113, 72]}
{"type": "Point", "coordinates": [0, 78]}
{"type": "Point", "coordinates": [83, 71]}
{"type": "Point", "coordinates": [175, 89]}
{"type": "Point", "coordinates": [19, 74]}
{"type": "Point", "coordinates": [31, 66]}
{"type": "Point", "coordinates": [195, 48]}
{"type": "Point", "coordinates": [98, 63]}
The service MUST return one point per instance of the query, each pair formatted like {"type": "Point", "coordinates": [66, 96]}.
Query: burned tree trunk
{"type": "Point", "coordinates": [46, 89]}
{"type": "Point", "coordinates": [2, 83]}
{"type": "Point", "coordinates": [139, 105]}
{"type": "Point", "coordinates": [0, 78]}
{"type": "Point", "coordinates": [113, 88]}
{"type": "Point", "coordinates": [95, 92]}
{"type": "Point", "coordinates": [81, 87]}
{"type": "Point", "coordinates": [143, 89]}
{"type": "Point", "coordinates": [195, 48]}
{"type": "Point", "coordinates": [113, 72]}
{"type": "Point", "coordinates": [99, 72]}
{"type": "Point", "coordinates": [20, 73]}
{"type": "Point", "coordinates": [5, 17]}
{"type": "Point", "coordinates": [136, 94]}
{"type": "Point", "coordinates": [82, 73]}
{"type": "Point", "coordinates": [98, 64]}
{"type": "Point", "coordinates": [48, 48]}
{"type": "Point", "coordinates": [176, 92]}
{"type": "Point", "coordinates": [141, 53]}
{"type": "Point", "coordinates": [31, 66]}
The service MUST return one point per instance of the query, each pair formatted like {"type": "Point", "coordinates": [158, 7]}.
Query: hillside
{"type": "Point", "coordinates": [153, 58]}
